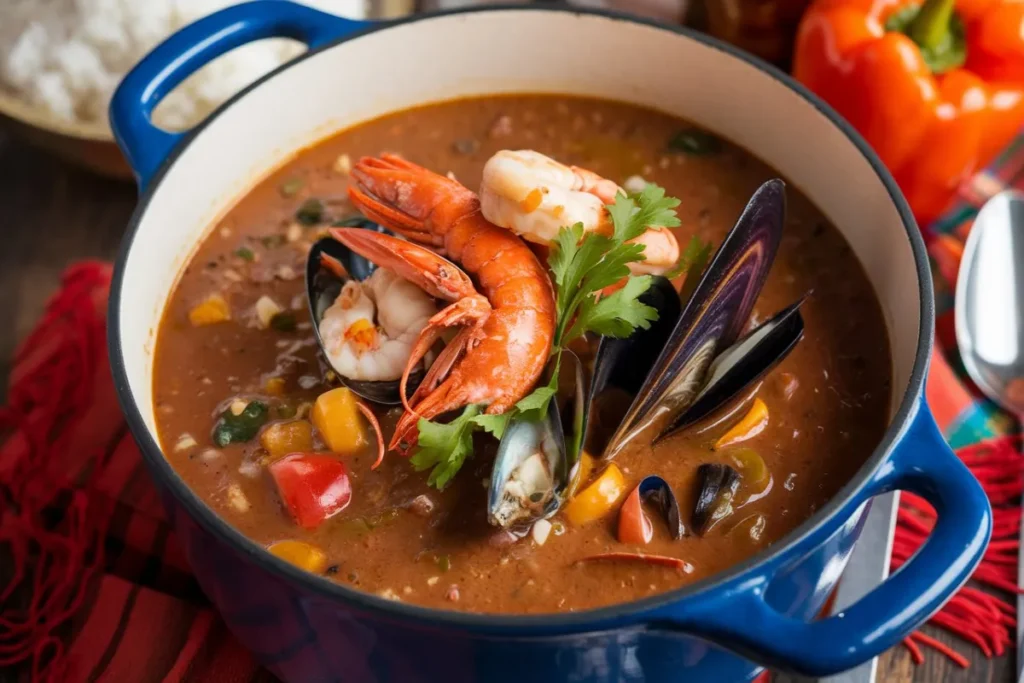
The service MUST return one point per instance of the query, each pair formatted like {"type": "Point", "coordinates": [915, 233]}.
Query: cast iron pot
{"type": "Point", "coordinates": [726, 628]}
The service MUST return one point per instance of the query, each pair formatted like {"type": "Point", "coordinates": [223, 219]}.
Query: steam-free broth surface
{"type": "Point", "coordinates": [828, 400]}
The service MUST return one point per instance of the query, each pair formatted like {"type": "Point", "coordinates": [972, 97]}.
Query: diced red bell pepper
{"type": "Point", "coordinates": [634, 526]}
{"type": "Point", "coordinates": [313, 487]}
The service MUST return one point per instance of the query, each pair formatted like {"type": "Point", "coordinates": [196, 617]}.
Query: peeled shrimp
{"type": "Point", "coordinates": [361, 349]}
{"type": "Point", "coordinates": [535, 196]}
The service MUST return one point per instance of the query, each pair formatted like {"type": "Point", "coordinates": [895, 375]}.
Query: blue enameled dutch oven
{"type": "Point", "coordinates": [724, 629]}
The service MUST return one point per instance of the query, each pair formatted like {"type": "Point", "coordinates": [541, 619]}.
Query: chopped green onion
{"type": "Point", "coordinates": [444, 563]}
{"type": "Point", "coordinates": [271, 241]}
{"type": "Point", "coordinates": [245, 253]}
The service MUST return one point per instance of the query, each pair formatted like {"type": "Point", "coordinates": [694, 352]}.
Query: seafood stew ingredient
{"type": "Point", "coordinates": [304, 555]}
{"type": "Point", "coordinates": [240, 426]}
{"type": "Point", "coordinates": [398, 531]}
{"type": "Point", "coordinates": [635, 527]}
{"type": "Point", "coordinates": [716, 489]}
{"type": "Point", "coordinates": [749, 426]}
{"type": "Point", "coordinates": [312, 487]}
{"type": "Point", "coordinates": [598, 499]}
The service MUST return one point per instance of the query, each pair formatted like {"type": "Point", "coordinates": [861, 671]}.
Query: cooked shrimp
{"type": "Point", "coordinates": [362, 349]}
{"type": "Point", "coordinates": [507, 327]}
{"type": "Point", "coordinates": [535, 196]}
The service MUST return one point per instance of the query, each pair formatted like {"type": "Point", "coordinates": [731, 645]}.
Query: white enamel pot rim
{"type": "Point", "coordinates": [905, 405]}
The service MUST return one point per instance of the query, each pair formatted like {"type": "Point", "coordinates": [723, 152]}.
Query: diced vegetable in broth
{"type": "Point", "coordinates": [337, 418]}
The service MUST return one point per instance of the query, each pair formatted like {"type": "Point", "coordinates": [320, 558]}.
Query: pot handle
{"type": "Point", "coordinates": [146, 146]}
{"type": "Point", "coordinates": [740, 619]}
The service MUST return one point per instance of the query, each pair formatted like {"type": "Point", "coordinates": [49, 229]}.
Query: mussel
{"type": "Point", "coordinates": [323, 284]}
{"type": "Point", "coordinates": [538, 459]}
{"type": "Point", "coordinates": [716, 489]}
{"type": "Point", "coordinates": [675, 391]}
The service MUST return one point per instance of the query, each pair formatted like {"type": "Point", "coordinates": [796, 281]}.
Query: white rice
{"type": "Point", "coordinates": [67, 56]}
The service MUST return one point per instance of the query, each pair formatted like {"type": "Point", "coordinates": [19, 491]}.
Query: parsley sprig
{"type": "Point", "coordinates": [582, 265]}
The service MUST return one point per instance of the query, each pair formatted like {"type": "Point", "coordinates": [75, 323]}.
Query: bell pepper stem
{"type": "Point", "coordinates": [932, 24]}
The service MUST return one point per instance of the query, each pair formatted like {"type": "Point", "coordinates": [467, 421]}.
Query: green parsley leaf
{"type": "Point", "coordinates": [443, 448]}
{"type": "Point", "coordinates": [245, 253]}
{"type": "Point", "coordinates": [618, 314]}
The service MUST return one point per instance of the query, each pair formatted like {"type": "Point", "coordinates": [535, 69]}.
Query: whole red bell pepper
{"type": "Point", "coordinates": [936, 88]}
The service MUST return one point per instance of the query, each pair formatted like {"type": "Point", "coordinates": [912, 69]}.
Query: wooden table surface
{"type": "Point", "coordinates": [52, 214]}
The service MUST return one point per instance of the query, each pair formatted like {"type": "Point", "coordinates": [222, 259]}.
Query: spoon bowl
{"type": "Point", "coordinates": [990, 301]}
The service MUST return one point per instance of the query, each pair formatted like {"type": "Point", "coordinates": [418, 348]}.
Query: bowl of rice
{"type": "Point", "coordinates": [60, 61]}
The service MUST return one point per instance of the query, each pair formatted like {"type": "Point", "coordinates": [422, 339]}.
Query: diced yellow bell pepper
{"type": "Point", "coordinates": [302, 555]}
{"type": "Point", "coordinates": [274, 386]}
{"type": "Point", "coordinates": [214, 309]}
{"type": "Point", "coordinates": [336, 416]}
{"type": "Point", "coordinates": [583, 472]}
{"type": "Point", "coordinates": [283, 438]}
{"type": "Point", "coordinates": [597, 500]}
{"type": "Point", "coordinates": [752, 424]}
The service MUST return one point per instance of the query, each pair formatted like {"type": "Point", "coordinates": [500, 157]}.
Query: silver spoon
{"type": "Point", "coordinates": [990, 320]}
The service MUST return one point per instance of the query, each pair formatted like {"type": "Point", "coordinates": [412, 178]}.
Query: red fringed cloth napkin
{"type": "Point", "coordinates": [93, 587]}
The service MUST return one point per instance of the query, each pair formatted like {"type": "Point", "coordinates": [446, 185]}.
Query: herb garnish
{"type": "Point", "coordinates": [245, 253]}
{"type": "Point", "coordinates": [310, 212]}
{"type": "Point", "coordinates": [582, 265]}
{"type": "Point", "coordinates": [240, 428]}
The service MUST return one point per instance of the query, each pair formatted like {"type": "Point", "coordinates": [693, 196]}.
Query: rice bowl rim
{"type": "Point", "coordinates": [38, 117]}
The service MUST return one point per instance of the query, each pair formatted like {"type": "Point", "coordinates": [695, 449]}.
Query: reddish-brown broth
{"type": "Point", "coordinates": [813, 444]}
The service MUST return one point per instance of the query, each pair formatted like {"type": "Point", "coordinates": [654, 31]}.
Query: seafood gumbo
{"type": "Point", "coordinates": [521, 354]}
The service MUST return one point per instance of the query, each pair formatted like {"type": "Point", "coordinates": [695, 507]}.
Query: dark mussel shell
{"type": "Point", "coordinates": [716, 488]}
{"type": "Point", "coordinates": [742, 364]}
{"type": "Point", "coordinates": [324, 283]}
{"type": "Point", "coordinates": [656, 491]}
{"type": "Point", "coordinates": [531, 472]}
{"type": "Point", "coordinates": [712, 319]}
{"type": "Point", "coordinates": [624, 363]}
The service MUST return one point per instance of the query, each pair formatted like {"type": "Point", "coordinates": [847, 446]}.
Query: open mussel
{"type": "Point", "coordinates": [709, 323]}
{"type": "Point", "coordinates": [538, 460]}
{"type": "Point", "coordinates": [329, 265]}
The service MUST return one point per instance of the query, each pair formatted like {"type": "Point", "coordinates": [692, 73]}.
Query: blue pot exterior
{"type": "Point", "coordinates": [302, 635]}
{"type": "Point", "coordinates": [721, 630]}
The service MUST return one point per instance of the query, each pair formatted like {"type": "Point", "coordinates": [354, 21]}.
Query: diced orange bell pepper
{"type": "Point", "coordinates": [336, 416]}
{"type": "Point", "coordinates": [287, 437]}
{"type": "Point", "coordinates": [598, 499]}
{"type": "Point", "coordinates": [752, 424]}
{"type": "Point", "coordinates": [213, 309]}
{"type": "Point", "coordinates": [303, 555]}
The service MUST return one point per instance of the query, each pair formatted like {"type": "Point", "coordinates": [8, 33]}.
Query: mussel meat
{"type": "Point", "coordinates": [538, 461]}
{"type": "Point", "coordinates": [329, 265]}
{"type": "Point", "coordinates": [531, 471]}
{"type": "Point", "coordinates": [716, 488]}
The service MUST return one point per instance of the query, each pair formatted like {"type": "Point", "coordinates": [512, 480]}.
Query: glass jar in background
{"type": "Point", "coordinates": [766, 28]}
